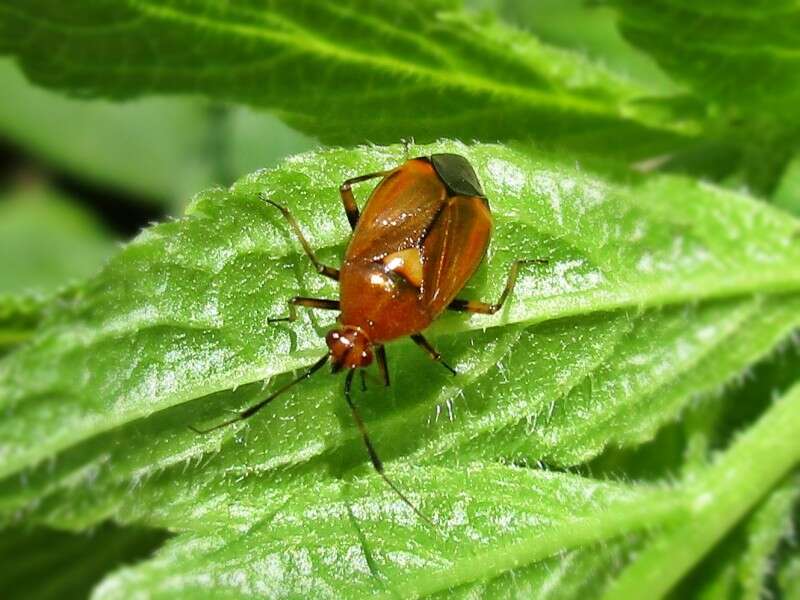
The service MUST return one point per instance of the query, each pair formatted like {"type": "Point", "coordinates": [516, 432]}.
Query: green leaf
{"type": "Point", "coordinates": [742, 404]}
{"type": "Point", "coordinates": [575, 574]}
{"type": "Point", "coordinates": [545, 413]}
{"type": "Point", "coordinates": [743, 55]}
{"type": "Point", "coordinates": [357, 71]}
{"type": "Point", "coordinates": [657, 289]}
{"type": "Point", "coordinates": [740, 565]}
{"type": "Point", "coordinates": [19, 315]}
{"type": "Point", "coordinates": [181, 312]}
{"type": "Point", "coordinates": [759, 459]}
{"type": "Point", "coordinates": [47, 243]}
{"type": "Point", "coordinates": [741, 59]}
{"type": "Point", "coordinates": [770, 524]}
{"type": "Point", "coordinates": [43, 564]}
{"type": "Point", "coordinates": [590, 29]}
{"type": "Point", "coordinates": [354, 540]}
{"type": "Point", "coordinates": [787, 195]}
{"type": "Point", "coordinates": [789, 577]}
{"type": "Point", "coordinates": [158, 149]}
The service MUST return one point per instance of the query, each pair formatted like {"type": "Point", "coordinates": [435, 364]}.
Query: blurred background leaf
{"type": "Point", "coordinates": [715, 48]}
{"type": "Point", "coordinates": [158, 150]}
{"type": "Point", "coordinates": [47, 243]}
{"type": "Point", "coordinates": [79, 173]}
{"type": "Point", "coordinates": [586, 27]}
{"type": "Point", "coordinates": [787, 196]}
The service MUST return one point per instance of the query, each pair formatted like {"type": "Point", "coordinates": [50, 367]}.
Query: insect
{"type": "Point", "coordinates": [422, 234]}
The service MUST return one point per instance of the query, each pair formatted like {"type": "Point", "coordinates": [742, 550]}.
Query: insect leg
{"type": "Point", "coordinates": [373, 456]}
{"type": "Point", "coordinates": [321, 269]}
{"type": "Point", "coordinates": [346, 192]}
{"type": "Point", "coordinates": [486, 308]}
{"type": "Point", "coordinates": [420, 340]}
{"type": "Point", "coordinates": [308, 303]}
{"type": "Point", "coordinates": [249, 412]}
{"type": "Point", "coordinates": [380, 354]}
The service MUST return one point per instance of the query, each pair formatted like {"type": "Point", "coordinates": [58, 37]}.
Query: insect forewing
{"type": "Point", "coordinates": [453, 249]}
{"type": "Point", "coordinates": [399, 211]}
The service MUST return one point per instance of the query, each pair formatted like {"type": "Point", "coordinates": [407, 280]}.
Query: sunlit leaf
{"type": "Point", "coordinates": [656, 290]}
{"type": "Point", "coordinates": [356, 539]}
{"type": "Point", "coordinates": [181, 313]}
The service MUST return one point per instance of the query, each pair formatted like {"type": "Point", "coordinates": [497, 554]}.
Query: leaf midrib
{"type": "Point", "coordinates": [627, 515]}
{"type": "Point", "coordinates": [304, 42]}
{"type": "Point", "coordinates": [613, 301]}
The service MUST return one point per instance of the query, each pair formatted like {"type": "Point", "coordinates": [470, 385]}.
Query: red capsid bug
{"type": "Point", "coordinates": [422, 234]}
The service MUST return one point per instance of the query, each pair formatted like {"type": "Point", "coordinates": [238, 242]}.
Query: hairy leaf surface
{"type": "Point", "coordinates": [495, 519]}
{"type": "Point", "coordinates": [656, 290]}
{"type": "Point", "coordinates": [181, 312]}
{"type": "Point", "coordinates": [757, 462]}
{"type": "Point", "coordinates": [357, 540]}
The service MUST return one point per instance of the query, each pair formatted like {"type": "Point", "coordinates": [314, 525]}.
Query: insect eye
{"type": "Point", "coordinates": [335, 339]}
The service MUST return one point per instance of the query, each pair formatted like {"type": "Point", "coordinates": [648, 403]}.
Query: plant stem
{"type": "Point", "coordinates": [719, 498]}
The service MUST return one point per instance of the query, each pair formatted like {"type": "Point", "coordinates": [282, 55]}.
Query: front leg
{"type": "Point", "coordinates": [349, 201]}
{"type": "Point", "coordinates": [383, 366]}
{"type": "Point", "coordinates": [330, 272]}
{"type": "Point", "coordinates": [306, 302]}
{"type": "Point", "coordinates": [420, 341]}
